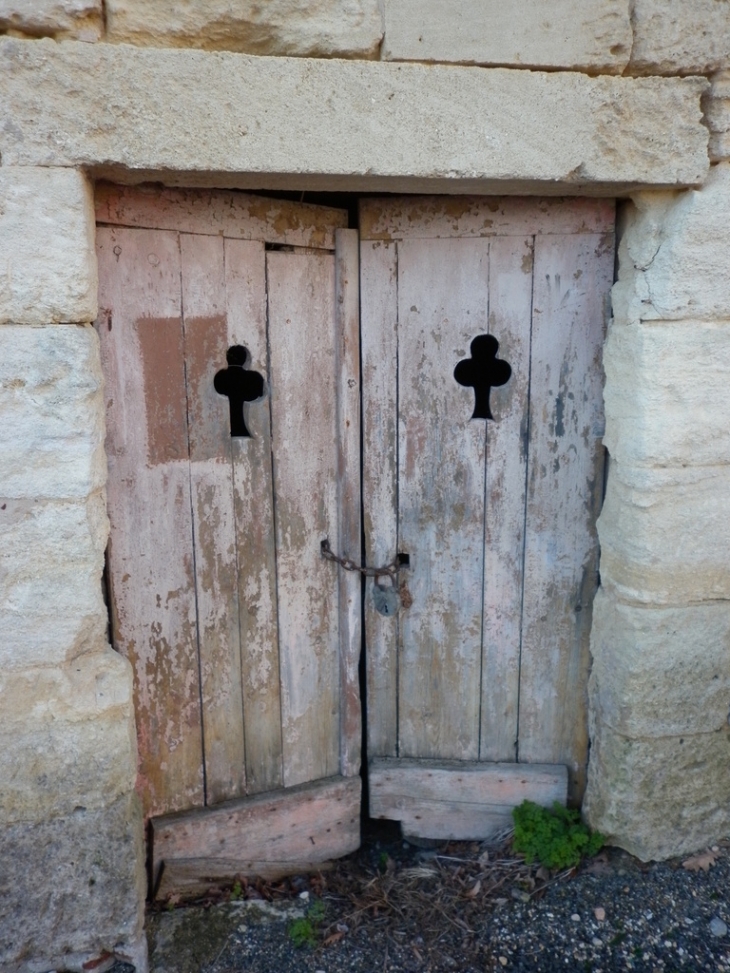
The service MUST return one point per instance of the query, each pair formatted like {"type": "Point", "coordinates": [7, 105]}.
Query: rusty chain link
{"type": "Point", "coordinates": [391, 569]}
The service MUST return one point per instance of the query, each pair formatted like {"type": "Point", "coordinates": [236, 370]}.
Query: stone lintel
{"type": "Point", "coordinates": [194, 117]}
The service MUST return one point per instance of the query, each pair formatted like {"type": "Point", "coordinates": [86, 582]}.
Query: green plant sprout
{"type": "Point", "coordinates": [303, 932]}
{"type": "Point", "coordinates": [556, 837]}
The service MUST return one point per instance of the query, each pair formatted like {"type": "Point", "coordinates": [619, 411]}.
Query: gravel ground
{"type": "Point", "coordinates": [467, 908]}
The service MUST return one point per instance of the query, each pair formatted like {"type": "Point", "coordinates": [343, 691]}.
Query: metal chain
{"type": "Point", "coordinates": [391, 569]}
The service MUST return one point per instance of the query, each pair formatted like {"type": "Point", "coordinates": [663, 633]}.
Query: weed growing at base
{"type": "Point", "coordinates": [556, 837]}
{"type": "Point", "coordinates": [303, 932]}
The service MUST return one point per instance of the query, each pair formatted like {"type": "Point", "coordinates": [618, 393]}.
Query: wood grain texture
{"type": "Point", "coordinates": [151, 550]}
{"type": "Point", "coordinates": [302, 329]}
{"type": "Point", "coordinates": [253, 484]}
{"type": "Point", "coordinates": [573, 277]}
{"type": "Point", "coordinates": [459, 800]}
{"type": "Point", "coordinates": [280, 830]}
{"type": "Point", "coordinates": [510, 312]}
{"type": "Point", "coordinates": [347, 305]}
{"type": "Point", "coordinates": [216, 575]}
{"type": "Point", "coordinates": [226, 213]}
{"type": "Point", "coordinates": [454, 217]}
{"type": "Point", "coordinates": [443, 303]}
{"type": "Point", "coordinates": [379, 338]}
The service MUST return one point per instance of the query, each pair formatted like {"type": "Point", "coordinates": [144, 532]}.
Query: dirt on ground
{"type": "Point", "coordinates": [460, 907]}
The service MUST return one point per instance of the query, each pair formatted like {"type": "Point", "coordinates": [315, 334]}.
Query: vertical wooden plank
{"type": "Point", "coordinates": [216, 581]}
{"type": "Point", "coordinates": [379, 337]}
{"type": "Point", "coordinates": [347, 305]}
{"type": "Point", "coordinates": [443, 303]}
{"type": "Point", "coordinates": [510, 312]}
{"type": "Point", "coordinates": [302, 344]}
{"type": "Point", "coordinates": [151, 553]}
{"type": "Point", "coordinates": [245, 264]}
{"type": "Point", "coordinates": [572, 280]}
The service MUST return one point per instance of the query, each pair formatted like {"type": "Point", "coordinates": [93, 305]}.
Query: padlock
{"type": "Point", "coordinates": [385, 598]}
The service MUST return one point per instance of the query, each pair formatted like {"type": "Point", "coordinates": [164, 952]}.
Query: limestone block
{"type": "Point", "coordinates": [78, 19]}
{"type": "Point", "coordinates": [593, 35]}
{"type": "Point", "coordinates": [73, 887]}
{"type": "Point", "coordinates": [659, 797]}
{"type": "Point", "coordinates": [667, 395]}
{"type": "Point", "coordinates": [716, 106]}
{"type": "Point", "coordinates": [665, 534]}
{"type": "Point", "coordinates": [47, 258]}
{"type": "Point", "coordinates": [52, 412]}
{"type": "Point", "coordinates": [53, 556]}
{"type": "Point", "coordinates": [673, 37]}
{"type": "Point", "coordinates": [660, 671]}
{"type": "Point", "coordinates": [673, 254]}
{"type": "Point", "coordinates": [299, 28]}
{"type": "Point", "coordinates": [344, 124]}
{"type": "Point", "coordinates": [67, 737]}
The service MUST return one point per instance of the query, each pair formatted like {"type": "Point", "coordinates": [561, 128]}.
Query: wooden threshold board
{"type": "Point", "coordinates": [282, 832]}
{"type": "Point", "coordinates": [459, 800]}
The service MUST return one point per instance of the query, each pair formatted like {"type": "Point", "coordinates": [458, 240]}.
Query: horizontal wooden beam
{"type": "Point", "coordinates": [282, 832]}
{"type": "Point", "coordinates": [457, 800]}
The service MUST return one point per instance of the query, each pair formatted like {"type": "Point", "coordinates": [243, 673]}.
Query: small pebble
{"type": "Point", "coordinates": [599, 913]}
{"type": "Point", "coordinates": [304, 896]}
{"type": "Point", "coordinates": [718, 927]}
{"type": "Point", "coordinates": [596, 941]}
{"type": "Point", "coordinates": [503, 960]}
{"type": "Point", "coordinates": [575, 917]}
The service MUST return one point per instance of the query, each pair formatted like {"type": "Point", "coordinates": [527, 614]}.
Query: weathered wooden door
{"type": "Point", "coordinates": [476, 686]}
{"type": "Point", "coordinates": [243, 640]}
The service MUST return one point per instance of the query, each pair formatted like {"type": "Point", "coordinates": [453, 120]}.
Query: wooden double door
{"type": "Point", "coordinates": [232, 331]}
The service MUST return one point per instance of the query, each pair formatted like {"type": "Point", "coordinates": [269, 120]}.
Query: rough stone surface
{"type": "Point", "coordinates": [53, 556]}
{"type": "Point", "coordinates": [687, 37]}
{"type": "Point", "coordinates": [52, 412]}
{"type": "Point", "coordinates": [716, 106]}
{"type": "Point", "coordinates": [593, 35]}
{"type": "Point", "coordinates": [660, 671]}
{"type": "Point", "coordinates": [78, 19]}
{"type": "Point", "coordinates": [67, 737]}
{"type": "Point", "coordinates": [299, 28]}
{"type": "Point", "coordinates": [659, 797]}
{"type": "Point", "coordinates": [665, 534]}
{"type": "Point", "coordinates": [345, 124]}
{"type": "Point", "coordinates": [667, 394]}
{"type": "Point", "coordinates": [47, 259]}
{"type": "Point", "coordinates": [673, 254]}
{"type": "Point", "coordinates": [72, 887]}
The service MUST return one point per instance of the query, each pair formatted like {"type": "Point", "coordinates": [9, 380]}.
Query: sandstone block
{"type": "Point", "coordinates": [40, 639]}
{"type": "Point", "coordinates": [680, 38]}
{"type": "Point", "coordinates": [350, 124]}
{"type": "Point", "coordinates": [716, 106]}
{"type": "Point", "coordinates": [78, 19]}
{"type": "Point", "coordinates": [72, 887]}
{"type": "Point", "coordinates": [67, 737]}
{"type": "Point", "coordinates": [594, 35]}
{"type": "Point", "coordinates": [659, 797]}
{"type": "Point", "coordinates": [673, 254]}
{"type": "Point", "coordinates": [53, 556]}
{"type": "Point", "coordinates": [47, 259]}
{"type": "Point", "coordinates": [667, 395]}
{"type": "Point", "coordinates": [665, 534]}
{"type": "Point", "coordinates": [660, 671]}
{"type": "Point", "coordinates": [52, 407]}
{"type": "Point", "coordinates": [299, 28]}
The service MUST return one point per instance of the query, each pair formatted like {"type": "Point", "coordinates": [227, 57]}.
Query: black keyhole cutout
{"type": "Point", "coordinates": [240, 385]}
{"type": "Point", "coordinates": [483, 372]}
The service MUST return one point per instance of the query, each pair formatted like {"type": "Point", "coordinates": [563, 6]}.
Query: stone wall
{"type": "Point", "coordinates": [71, 855]}
{"type": "Point", "coordinates": [602, 110]}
